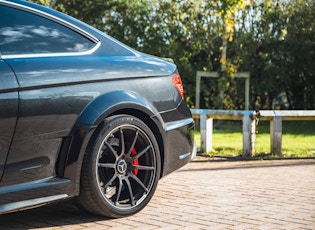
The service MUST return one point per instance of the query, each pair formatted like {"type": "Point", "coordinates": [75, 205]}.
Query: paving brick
{"type": "Point", "coordinates": [204, 194]}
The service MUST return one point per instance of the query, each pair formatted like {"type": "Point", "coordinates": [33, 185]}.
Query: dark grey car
{"type": "Point", "coordinates": [82, 115]}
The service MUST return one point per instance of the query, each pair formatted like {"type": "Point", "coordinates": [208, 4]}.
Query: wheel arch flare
{"type": "Point", "coordinates": [95, 113]}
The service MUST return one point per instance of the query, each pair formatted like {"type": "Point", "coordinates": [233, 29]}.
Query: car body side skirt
{"type": "Point", "coordinates": [30, 194]}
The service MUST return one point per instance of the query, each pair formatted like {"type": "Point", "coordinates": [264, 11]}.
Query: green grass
{"type": "Point", "coordinates": [298, 139]}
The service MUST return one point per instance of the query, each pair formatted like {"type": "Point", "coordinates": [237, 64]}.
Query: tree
{"type": "Point", "coordinates": [272, 39]}
{"type": "Point", "coordinates": [299, 52]}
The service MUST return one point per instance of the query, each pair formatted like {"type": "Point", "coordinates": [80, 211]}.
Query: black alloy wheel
{"type": "Point", "coordinates": [121, 168]}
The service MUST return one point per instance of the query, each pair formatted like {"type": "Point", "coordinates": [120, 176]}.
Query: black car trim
{"type": "Point", "coordinates": [33, 184]}
{"type": "Point", "coordinates": [20, 205]}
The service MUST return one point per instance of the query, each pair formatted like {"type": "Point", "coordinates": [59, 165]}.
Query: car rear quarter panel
{"type": "Point", "coordinates": [55, 92]}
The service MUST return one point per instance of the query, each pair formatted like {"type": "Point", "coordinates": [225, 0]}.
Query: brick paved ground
{"type": "Point", "coordinates": [204, 195]}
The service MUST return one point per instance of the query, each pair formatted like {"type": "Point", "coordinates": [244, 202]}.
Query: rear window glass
{"type": "Point", "coordinates": [22, 32]}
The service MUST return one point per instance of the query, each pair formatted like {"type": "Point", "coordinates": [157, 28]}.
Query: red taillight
{"type": "Point", "coordinates": [178, 84]}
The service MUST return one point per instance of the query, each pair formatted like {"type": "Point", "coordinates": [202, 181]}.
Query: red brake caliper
{"type": "Point", "coordinates": [135, 162]}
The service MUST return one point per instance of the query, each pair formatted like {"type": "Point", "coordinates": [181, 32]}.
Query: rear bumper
{"type": "Point", "coordinates": [180, 146]}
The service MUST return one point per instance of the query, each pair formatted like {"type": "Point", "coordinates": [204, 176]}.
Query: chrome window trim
{"type": "Point", "coordinates": [63, 54]}
{"type": "Point", "coordinates": [53, 18]}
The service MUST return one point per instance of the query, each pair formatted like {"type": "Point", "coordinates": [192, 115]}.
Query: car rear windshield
{"type": "Point", "coordinates": [23, 32]}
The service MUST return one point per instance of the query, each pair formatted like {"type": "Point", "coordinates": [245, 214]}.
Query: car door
{"type": "Point", "coordinates": [8, 110]}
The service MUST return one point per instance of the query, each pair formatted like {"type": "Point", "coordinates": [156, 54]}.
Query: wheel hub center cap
{"type": "Point", "coordinates": [122, 166]}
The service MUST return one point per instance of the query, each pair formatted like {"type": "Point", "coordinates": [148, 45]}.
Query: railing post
{"type": "Point", "coordinates": [209, 135]}
{"type": "Point", "coordinates": [249, 133]}
{"type": "Point", "coordinates": [203, 131]}
{"type": "Point", "coordinates": [206, 127]}
{"type": "Point", "coordinates": [276, 133]}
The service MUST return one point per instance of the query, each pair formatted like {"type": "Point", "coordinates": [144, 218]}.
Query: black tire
{"type": "Point", "coordinates": [121, 168]}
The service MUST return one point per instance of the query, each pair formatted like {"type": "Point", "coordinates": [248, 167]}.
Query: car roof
{"type": "Point", "coordinates": [79, 26]}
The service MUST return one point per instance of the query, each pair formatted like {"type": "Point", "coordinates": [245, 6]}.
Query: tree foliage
{"type": "Point", "coordinates": [272, 39]}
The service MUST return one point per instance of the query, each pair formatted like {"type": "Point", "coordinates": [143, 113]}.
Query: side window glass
{"type": "Point", "coordinates": [22, 32]}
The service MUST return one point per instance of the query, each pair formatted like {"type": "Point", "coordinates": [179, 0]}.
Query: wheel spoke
{"type": "Point", "coordinates": [106, 165]}
{"type": "Point", "coordinates": [142, 167]}
{"type": "Point", "coordinates": [139, 182]}
{"type": "Point", "coordinates": [138, 155]}
{"type": "Point", "coordinates": [122, 142]}
{"type": "Point", "coordinates": [111, 149]}
{"type": "Point", "coordinates": [133, 143]}
{"type": "Point", "coordinates": [120, 184]}
{"type": "Point", "coordinates": [110, 181]}
{"type": "Point", "coordinates": [132, 200]}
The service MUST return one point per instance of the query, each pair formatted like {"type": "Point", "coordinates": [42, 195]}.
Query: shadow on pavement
{"type": "Point", "coordinates": [53, 215]}
{"type": "Point", "coordinates": [67, 215]}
